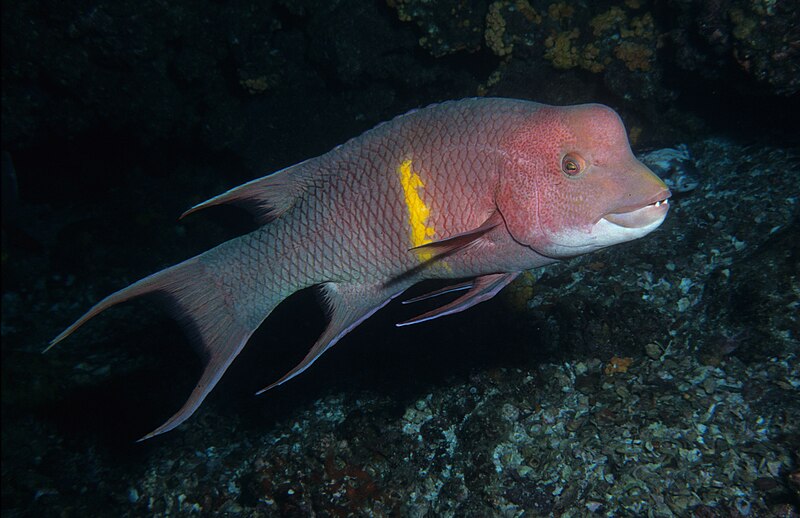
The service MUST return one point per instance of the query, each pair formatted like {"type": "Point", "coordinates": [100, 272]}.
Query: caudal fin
{"type": "Point", "coordinates": [197, 302]}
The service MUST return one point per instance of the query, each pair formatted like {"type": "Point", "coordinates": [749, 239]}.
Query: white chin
{"type": "Point", "coordinates": [610, 230]}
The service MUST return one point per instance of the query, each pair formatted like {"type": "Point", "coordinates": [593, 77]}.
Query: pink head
{"type": "Point", "coordinates": [570, 183]}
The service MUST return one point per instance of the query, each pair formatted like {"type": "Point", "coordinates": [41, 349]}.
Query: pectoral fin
{"type": "Point", "coordinates": [457, 242]}
{"type": "Point", "coordinates": [482, 288]}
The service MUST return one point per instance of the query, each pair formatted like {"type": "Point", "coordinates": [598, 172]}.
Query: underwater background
{"type": "Point", "coordinates": [658, 377]}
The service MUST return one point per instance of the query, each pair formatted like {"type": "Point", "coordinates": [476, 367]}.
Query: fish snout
{"type": "Point", "coordinates": [643, 216]}
{"type": "Point", "coordinates": [645, 202]}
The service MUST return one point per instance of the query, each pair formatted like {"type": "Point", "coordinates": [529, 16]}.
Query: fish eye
{"type": "Point", "coordinates": [572, 164]}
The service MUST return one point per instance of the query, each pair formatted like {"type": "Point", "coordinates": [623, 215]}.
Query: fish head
{"type": "Point", "coordinates": [569, 183]}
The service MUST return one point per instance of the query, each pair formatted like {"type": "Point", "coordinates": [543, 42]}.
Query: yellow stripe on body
{"type": "Point", "coordinates": [418, 212]}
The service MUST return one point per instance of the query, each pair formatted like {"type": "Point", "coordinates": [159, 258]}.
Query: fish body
{"type": "Point", "coordinates": [479, 188]}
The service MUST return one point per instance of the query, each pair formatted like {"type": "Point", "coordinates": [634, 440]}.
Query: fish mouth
{"type": "Point", "coordinates": [654, 211]}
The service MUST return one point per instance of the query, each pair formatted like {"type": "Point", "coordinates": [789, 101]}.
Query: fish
{"type": "Point", "coordinates": [475, 190]}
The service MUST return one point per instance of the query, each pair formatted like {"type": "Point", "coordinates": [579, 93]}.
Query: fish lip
{"type": "Point", "coordinates": [654, 209]}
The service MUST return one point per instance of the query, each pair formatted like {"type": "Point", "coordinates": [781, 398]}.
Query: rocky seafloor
{"type": "Point", "coordinates": [656, 378]}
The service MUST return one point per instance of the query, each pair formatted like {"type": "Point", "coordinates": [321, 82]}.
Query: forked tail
{"type": "Point", "coordinates": [200, 303]}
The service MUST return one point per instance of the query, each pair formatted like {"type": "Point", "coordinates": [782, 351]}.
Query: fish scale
{"type": "Point", "coordinates": [477, 188]}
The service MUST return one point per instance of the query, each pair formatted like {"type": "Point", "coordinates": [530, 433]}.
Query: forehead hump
{"type": "Point", "coordinates": [555, 129]}
{"type": "Point", "coordinates": [543, 131]}
{"type": "Point", "coordinates": [595, 124]}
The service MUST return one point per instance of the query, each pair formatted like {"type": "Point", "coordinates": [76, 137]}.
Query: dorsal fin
{"type": "Point", "coordinates": [267, 197]}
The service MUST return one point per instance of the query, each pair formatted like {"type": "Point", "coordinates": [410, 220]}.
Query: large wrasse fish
{"type": "Point", "coordinates": [478, 189]}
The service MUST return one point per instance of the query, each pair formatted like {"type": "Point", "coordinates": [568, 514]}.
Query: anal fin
{"type": "Point", "coordinates": [483, 288]}
{"type": "Point", "coordinates": [348, 305]}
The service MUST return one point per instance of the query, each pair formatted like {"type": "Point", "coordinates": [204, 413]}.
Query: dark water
{"type": "Point", "coordinates": [656, 377]}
